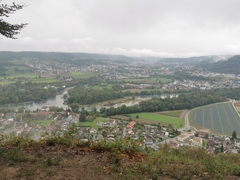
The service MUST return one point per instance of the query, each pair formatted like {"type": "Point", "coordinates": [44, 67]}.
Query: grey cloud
{"type": "Point", "coordinates": [132, 27]}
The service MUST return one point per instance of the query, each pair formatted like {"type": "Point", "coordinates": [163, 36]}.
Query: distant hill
{"type": "Point", "coordinates": [231, 66]}
{"type": "Point", "coordinates": [194, 60]}
{"type": "Point", "coordinates": [19, 61]}
{"type": "Point", "coordinates": [74, 58]}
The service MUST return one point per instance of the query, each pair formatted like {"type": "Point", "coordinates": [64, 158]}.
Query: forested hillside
{"type": "Point", "coordinates": [231, 66]}
{"type": "Point", "coordinates": [194, 60]}
{"type": "Point", "coordinates": [20, 62]}
{"type": "Point", "coordinates": [74, 58]}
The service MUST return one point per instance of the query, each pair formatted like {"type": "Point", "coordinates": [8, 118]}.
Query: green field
{"type": "Point", "coordinates": [99, 87]}
{"type": "Point", "coordinates": [44, 80]}
{"type": "Point", "coordinates": [172, 113]}
{"type": "Point", "coordinates": [160, 118]}
{"type": "Point", "coordinates": [82, 75]}
{"type": "Point", "coordinates": [41, 122]}
{"type": "Point", "coordinates": [32, 77]}
{"type": "Point", "coordinates": [45, 122]}
{"type": "Point", "coordinates": [27, 75]}
{"type": "Point", "coordinates": [93, 123]}
{"type": "Point", "coordinates": [221, 118]}
{"type": "Point", "coordinates": [148, 80]}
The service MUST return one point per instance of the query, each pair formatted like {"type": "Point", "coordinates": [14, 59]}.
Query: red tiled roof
{"type": "Point", "coordinates": [182, 136]}
{"type": "Point", "coordinates": [131, 124]}
{"type": "Point", "coordinates": [198, 140]}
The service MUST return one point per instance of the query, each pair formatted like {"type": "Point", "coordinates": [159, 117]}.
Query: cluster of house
{"type": "Point", "coordinates": [189, 137]}
{"type": "Point", "coordinates": [10, 123]}
{"type": "Point", "coordinates": [224, 144]}
{"type": "Point", "coordinates": [68, 120]}
{"type": "Point", "coordinates": [140, 70]}
{"type": "Point", "coordinates": [213, 143]}
{"type": "Point", "coordinates": [151, 135]}
{"type": "Point", "coordinates": [6, 119]}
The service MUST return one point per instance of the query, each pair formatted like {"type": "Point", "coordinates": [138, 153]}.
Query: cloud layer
{"type": "Point", "coordinates": [131, 27]}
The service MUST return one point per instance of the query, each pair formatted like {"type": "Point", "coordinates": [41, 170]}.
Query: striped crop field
{"type": "Point", "coordinates": [221, 118]}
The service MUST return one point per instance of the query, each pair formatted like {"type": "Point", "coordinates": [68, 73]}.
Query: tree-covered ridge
{"type": "Point", "coordinates": [231, 66]}
{"type": "Point", "coordinates": [84, 95]}
{"type": "Point", "coordinates": [184, 101]}
{"type": "Point", "coordinates": [78, 59]}
{"type": "Point", "coordinates": [24, 92]}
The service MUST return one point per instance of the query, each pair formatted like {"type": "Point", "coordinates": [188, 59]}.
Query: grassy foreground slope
{"type": "Point", "coordinates": [65, 157]}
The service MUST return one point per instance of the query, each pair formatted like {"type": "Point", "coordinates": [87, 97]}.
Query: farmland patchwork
{"type": "Point", "coordinates": [221, 118]}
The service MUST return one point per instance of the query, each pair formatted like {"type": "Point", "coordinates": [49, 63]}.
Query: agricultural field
{"type": "Point", "coordinates": [83, 75]}
{"type": "Point", "coordinates": [156, 118]}
{"type": "Point", "coordinates": [148, 80]}
{"type": "Point", "coordinates": [220, 118]}
{"type": "Point", "coordinates": [101, 87]}
{"type": "Point", "coordinates": [178, 114]}
{"type": "Point", "coordinates": [93, 123]}
{"type": "Point", "coordinates": [42, 123]}
{"type": "Point", "coordinates": [48, 79]}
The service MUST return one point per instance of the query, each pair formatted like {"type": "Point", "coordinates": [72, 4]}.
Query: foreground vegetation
{"type": "Point", "coordinates": [60, 157]}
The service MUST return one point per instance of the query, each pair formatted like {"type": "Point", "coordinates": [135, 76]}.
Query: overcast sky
{"type": "Point", "coordinates": [166, 28]}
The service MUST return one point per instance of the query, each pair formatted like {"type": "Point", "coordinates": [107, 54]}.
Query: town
{"type": "Point", "coordinates": [135, 79]}
{"type": "Point", "coordinates": [45, 122]}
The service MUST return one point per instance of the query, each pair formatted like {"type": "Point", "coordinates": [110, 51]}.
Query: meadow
{"type": "Point", "coordinates": [148, 80]}
{"type": "Point", "coordinates": [83, 75]}
{"type": "Point", "coordinates": [92, 123]}
{"type": "Point", "coordinates": [46, 79]}
{"type": "Point", "coordinates": [172, 113]}
{"type": "Point", "coordinates": [159, 118]}
{"type": "Point", "coordinates": [42, 123]}
{"type": "Point", "coordinates": [221, 118]}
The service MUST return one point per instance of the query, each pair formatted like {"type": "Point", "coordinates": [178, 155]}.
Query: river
{"type": "Point", "coordinates": [58, 101]}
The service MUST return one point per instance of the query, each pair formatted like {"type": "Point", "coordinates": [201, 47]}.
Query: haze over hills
{"type": "Point", "coordinates": [74, 58]}
{"type": "Point", "coordinates": [195, 60]}
{"type": "Point", "coordinates": [231, 66]}
{"type": "Point", "coordinates": [221, 64]}
{"type": "Point", "coordinates": [215, 63]}
{"type": "Point", "coordinates": [10, 55]}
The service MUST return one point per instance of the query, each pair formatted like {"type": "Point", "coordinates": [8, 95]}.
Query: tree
{"type": "Point", "coordinates": [21, 109]}
{"type": "Point", "coordinates": [6, 29]}
{"type": "Point", "coordinates": [222, 149]}
{"type": "Point", "coordinates": [75, 107]}
{"type": "Point", "coordinates": [234, 135]}
{"type": "Point", "coordinates": [65, 97]}
{"type": "Point", "coordinates": [82, 117]}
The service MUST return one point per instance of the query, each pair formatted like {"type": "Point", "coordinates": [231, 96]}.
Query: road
{"type": "Point", "coordinates": [186, 125]}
